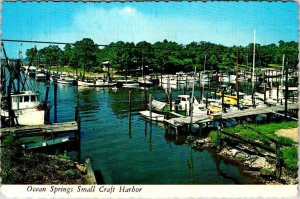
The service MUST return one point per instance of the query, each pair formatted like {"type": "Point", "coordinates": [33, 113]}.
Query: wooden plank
{"type": "Point", "coordinates": [40, 129]}
{"type": "Point", "coordinates": [230, 115]}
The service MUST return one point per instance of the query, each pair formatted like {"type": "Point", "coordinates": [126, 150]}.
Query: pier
{"type": "Point", "coordinates": [181, 121]}
{"type": "Point", "coordinates": [48, 129]}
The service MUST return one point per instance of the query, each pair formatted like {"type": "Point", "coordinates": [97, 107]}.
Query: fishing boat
{"type": "Point", "coordinates": [154, 116]}
{"type": "Point", "coordinates": [27, 108]}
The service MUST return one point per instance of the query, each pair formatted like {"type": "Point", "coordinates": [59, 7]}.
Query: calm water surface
{"type": "Point", "coordinates": [136, 154]}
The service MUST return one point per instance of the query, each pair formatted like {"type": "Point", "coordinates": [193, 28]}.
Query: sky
{"type": "Point", "coordinates": [227, 23]}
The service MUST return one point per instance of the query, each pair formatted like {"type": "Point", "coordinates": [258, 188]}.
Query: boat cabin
{"type": "Point", "coordinates": [25, 100]}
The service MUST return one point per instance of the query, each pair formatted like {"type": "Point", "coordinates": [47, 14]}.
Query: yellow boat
{"type": "Point", "coordinates": [230, 101]}
{"type": "Point", "coordinates": [225, 95]}
{"type": "Point", "coordinates": [214, 109]}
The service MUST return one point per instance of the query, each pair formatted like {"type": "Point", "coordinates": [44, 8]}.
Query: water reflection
{"type": "Point", "coordinates": [127, 150]}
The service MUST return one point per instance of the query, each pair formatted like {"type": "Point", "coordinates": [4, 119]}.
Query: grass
{"type": "Point", "coordinates": [267, 130]}
{"type": "Point", "coordinates": [289, 150]}
{"type": "Point", "coordinates": [213, 137]}
{"type": "Point", "coordinates": [290, 157]}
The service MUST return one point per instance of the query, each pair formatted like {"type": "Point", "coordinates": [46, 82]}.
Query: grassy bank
{"type": "Point", "coordinates": [267, 131]}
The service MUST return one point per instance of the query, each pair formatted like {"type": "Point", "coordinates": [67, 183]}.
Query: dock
{"type": "Point", "coordinates": [181, 121]}
{"type": "Point", "coordinates": [26, 131]}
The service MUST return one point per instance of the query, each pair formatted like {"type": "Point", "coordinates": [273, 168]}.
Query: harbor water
{"type": "Point", "coordinates": [135, 152]}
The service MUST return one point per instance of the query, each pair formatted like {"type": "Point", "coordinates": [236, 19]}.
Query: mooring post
{"type": "Point", "coordinates": [161, 83]}
{"type": "Point", "coordinates": [55, 102]}
{"type": "Point", "coordinates": [186, 111]}
{"type": "Point", "coordinates": [206, 101]}
{"type": "Point", "coordinates": [215, 94]}
{"type": "Point", "coordinates": [265, 92]}
{"type": "Point", "coordinates": [129, 100]}
{"type": "Point", "coordinates": [279, 161]}
{"type": "Point", "coordinates": [277, 87]}
{"type": "Point", "coordinates": [129, 114]}
{"type": "Point", "coordinates": [170, 98]}
{"type": "Point", "coordinates": [223, 107]}
{"type": "Point", "coordinates": [286, 92]}
{"type": "Point", "coordinates": [47, 112]}
{"type": "Point", "coordinates": [186, 82]}
{"type": "Point", "coordinates": [150, 107]}
{"type": "Point", "coordinates": [219, 131]}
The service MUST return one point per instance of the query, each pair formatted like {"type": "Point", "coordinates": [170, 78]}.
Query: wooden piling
{"type": "Point", "coordinates": [55, 102]}
{"type": "Point", "coordinates": [279, 161]}
{"type": "Point", "coordinates": [150, 107]}
{"type": "Point", "coordinates": [129, 101]}
{"type": "Point", "coordinates": [286, 92]}
{"type": "Point", "coordinates": [223, 107]}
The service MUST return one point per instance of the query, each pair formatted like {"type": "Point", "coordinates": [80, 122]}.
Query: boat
{"type": "Point", "coordinates": [28, 109]}
{"type": "Point", "coordinates": [46, 143]}
{"type": "Point", "coordinates": [155, 116]}
{"type": "Point", "coordinates": [183, 104]}
{"type": "Point", "coordinates": [65, 80]}
{"type": "Point", "coordinates": [145, 83]}
{"type": "Point", "coordinates": [97, 83]}
{"type": "Point", "coordinates": [131, 85]}
{"type": "Point", "coordinates": [30, 70]}
{"type": "Point", "coordinates": [40, 75]}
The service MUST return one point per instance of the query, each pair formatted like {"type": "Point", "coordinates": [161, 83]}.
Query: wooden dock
{"type": "Point", "coordinates": [181, 121]}
{"type": "Point", "coordinates": [26, 131]}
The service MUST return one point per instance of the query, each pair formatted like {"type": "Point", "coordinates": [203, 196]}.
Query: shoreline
{"type": "Point", "coordinates": [253, 166]}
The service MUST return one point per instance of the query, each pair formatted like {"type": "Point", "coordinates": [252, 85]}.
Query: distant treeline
{"type": "Point", "coordinates": [165, 56]}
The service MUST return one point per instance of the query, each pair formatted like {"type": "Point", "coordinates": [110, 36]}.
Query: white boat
{"type": "Point", "coordinates": [27, 108]}
{"type": "Point", "coordinates": [97, 83]}
{"type": "Point", "coordinates": [65, 80]}
{"type": "Point", "coordinates": [131, 85]}
{"type": "Point", "coordinates": [40, 76]}
{"type": "Point", "coordinates": [155, 117]}
{"type": "Point", "coordinates": [183, 104]}
{"type": "Point", "coordinates": [30, 70]}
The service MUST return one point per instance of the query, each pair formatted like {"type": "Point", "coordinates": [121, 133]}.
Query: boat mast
{"type": "Point", "coordinates": [192, 101]}
{"type": "Point", "coordinates": [253, 69]}
{"type": "Point", "coordinates": [282, 69]}
{"type": "Point", "coordinates": [203, 76]}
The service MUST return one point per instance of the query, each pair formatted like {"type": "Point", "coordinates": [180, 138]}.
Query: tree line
{"type": "Point", "coordinates": [165, 56]}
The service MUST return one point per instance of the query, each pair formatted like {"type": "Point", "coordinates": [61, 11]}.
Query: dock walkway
{"type": "Point", "coordinates": [180, 121]}
{"type": "Point", "coordinates": [23, 131]}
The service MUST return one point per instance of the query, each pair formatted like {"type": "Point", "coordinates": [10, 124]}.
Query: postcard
{"type": "Point", "coordinates": [186, 99]}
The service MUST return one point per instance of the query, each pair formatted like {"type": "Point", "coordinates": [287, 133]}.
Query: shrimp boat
{"type": "Point", "coordinates": [27, 108]}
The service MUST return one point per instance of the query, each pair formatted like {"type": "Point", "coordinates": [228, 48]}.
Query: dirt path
{"type": "Point", "coordinates": [291, 133]}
